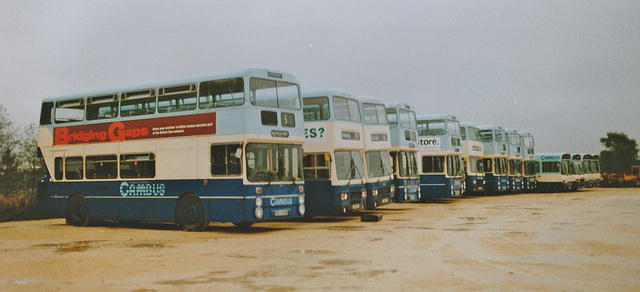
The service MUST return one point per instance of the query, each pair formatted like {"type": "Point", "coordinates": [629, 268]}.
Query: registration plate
{"type": "Point", "coordinates": [384, 201]}
{"type": "Point", "coordinates": [281, 212]}
{"type": "Point", "coordinates": [355, 206]}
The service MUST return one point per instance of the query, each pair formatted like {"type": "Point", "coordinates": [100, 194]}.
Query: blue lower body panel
{"type": "Point", "coordinates": [439, 186]}
{"type": "Point", "coordinates": [223, 200]}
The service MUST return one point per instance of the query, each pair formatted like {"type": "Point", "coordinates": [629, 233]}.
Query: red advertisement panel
{"type": "Point", "coordinates": [187, 125]}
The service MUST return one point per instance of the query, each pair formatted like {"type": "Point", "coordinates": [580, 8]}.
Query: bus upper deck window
{"type": "Point", "coordinates": [102, 107]}
{"type": "Point", "coordinates": [136, 103]}
{"type": "Point", "coordinates": [177, 98]}
{"type": "Point", "coordinates": [46, 113]}
{"type": "Point", "coordinates": [69, 110]}
{"type": "Point", "coordinates": [221, 93]}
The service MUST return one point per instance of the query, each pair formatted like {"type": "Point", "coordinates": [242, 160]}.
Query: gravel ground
{"type": "Point", "coordinates": [585, 240]}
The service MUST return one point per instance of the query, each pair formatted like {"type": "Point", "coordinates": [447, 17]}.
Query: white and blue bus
{"type": "Point", "coordinates": [377, 161]}
{"type": "Point", "coordinates": [577, 172]}
{"type": "Point", "coordinates": [439, 144]}
{"type": "Point", "coordinates": [472, 154]}
{"type": "Point", "coordinates": [404, 151]}
{"type": "Point", "coordinates": [333, 153]}
{"type": "Point", "coordinates": [595, 162]}
{"type": "Point", "coordinates": [528, 158]}
{"type": "Point", "coordinates": [496, 168]}
{"type": "Point", "coordinates": [514, 160]}
{"type": "Point", "coordinates": [553, 172]}
{"type": "Point", "coordinates": [585, 160]}
{"type": "Point", "coordinates": [224, 147]}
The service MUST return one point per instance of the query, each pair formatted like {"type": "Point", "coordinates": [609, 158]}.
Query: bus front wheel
{"type": "Point", "coordinates": [77, 211]}
{"type": "Point", "coordinates": [190, 213]}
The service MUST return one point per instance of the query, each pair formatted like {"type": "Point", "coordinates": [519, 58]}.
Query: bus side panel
{"type": "Point", "coordinates": [50, 206]}
{"type": "Point", "coordinates": [320, 198]}
{"type": "Point", "coordinates": [223, 198]}
{"type": "Point", "coordinates": [433, 186]}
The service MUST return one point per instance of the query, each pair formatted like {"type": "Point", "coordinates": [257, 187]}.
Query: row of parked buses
{"type": "Point", "coordinates": [250, 145]}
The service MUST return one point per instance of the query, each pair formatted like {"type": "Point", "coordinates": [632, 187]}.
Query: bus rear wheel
{"type": "Point", "coordinates": [77, 211]}
{"type": "Point", "coordinates": [190, 213]}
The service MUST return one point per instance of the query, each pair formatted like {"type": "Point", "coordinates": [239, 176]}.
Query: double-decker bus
{"type": "Point", "coordinates": [585, 160]}
{"type": "Point", "coordinates": [377, 161]}
{"type": "Point", "coordinates": [439, 144]}
{"type": "Point", "coordinates": [472, 153]}
{"type": "Point", "coordinates": [577, 172]}
{"type": "Point", "coordinates": [496, 168]}
{"type": "Point", "coordinates": [223, 147]}
{"type": "Point", "coordinates": [333, 153]}
{"type": "Point", "coordinates": [553, 172]}
{"type": "Point", "coordinates": [528, 158]}
{"type": "Point", "coordinates": [404, 151]}
{"type": "Point", "coordinates": [514, 160]}
{"type": "Point", "coordinates": [595, 162]}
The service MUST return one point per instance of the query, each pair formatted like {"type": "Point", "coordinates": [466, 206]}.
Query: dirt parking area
{"type": "Point", "coordinates": [586, 240]}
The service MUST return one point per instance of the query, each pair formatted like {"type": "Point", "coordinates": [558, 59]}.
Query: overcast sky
{"type": "Point", "coordinates": [566, 71]}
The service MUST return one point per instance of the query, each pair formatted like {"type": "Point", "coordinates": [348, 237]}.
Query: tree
{"type": "Point", "coordinates": [31, 166]}
{"type": "Point", "coordinates": [621, 153]}
{"type": "Point", "coordinates": [8, 164]}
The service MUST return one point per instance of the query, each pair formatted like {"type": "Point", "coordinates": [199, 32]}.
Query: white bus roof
{"type": "Point", "coordinates": [436, 117]}
{"type": "Point", "coordinates": [256, 72]}
{"type": "Point", "coordinates": [398, 105]}
{"type": "Point", "coordinates": [328, 92]}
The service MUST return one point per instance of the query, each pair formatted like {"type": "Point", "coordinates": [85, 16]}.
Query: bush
{"type": "Point", "coordinates": [18, 207]}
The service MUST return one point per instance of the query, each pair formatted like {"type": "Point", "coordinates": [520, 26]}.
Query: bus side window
{"type": "Point", "coordinates": [69, 110]}
{"type": "Point", "coordinates": [135, 103]}
{"type": "Point", "coordinates": [102, 167]}
{"type": "Point", "coordinates": [177, 98]}
{"type": "Point", "coordinates": [221, 93]}
{"type": "Point", "coordinates": [316, 166]}
{"type": "Point", "coordinates": [224, 160]}
{"type": "Point", "coordinates": [142, 165]}
{"type": "Point", "coordinates": [59, 168]}
{"type": "Point", "coordinates": [74, 169]}
{"type": "Point", "coordinates": [488, 165]}
{"type": "Point", "coordinates": [102, 107]}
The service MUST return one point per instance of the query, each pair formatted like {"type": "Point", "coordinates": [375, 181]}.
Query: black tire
{"type": "Point", "coordinates": [77, 212]}
{"type": "Point", "coordinates": [190, 213]}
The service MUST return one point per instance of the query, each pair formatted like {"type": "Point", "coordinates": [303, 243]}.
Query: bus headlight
{"type": "Point", "coordinates": [301, 199]}
{"type": "Point", "coordinates": [344, 196]}
{"type": "Point", "coordinates": [301, 209]}
{"type": "Point", "coordinates": [259, 201]}
{"type": "Point", "coordinates": [259, 213]}
{"type": "Point", "coordinates": [393, 189]}
{"type": "Point", "coordinates": [374, 192]}
{"type": "Point", "coordinates": [364, 194]}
